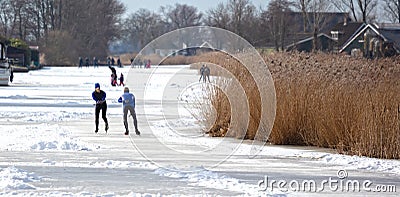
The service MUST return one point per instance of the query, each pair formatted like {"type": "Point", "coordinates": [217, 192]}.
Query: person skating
{"type": "Point", "coordinates": [121, 80]}
{"type": "Point", "coordinates": [206, 74]}
{"type": "Point", "coordinates": [128, 104]}
{"type": "Point", "coordinates": [114, 76]}
{"type": "Point", "coordinates": [119, 63]}
{"type": "Point", "coordinates": [202, 72]}
{"type": "Point", "coordinates": [80, 62]}
{"type": "Point", "coordinates": [100, 97]}
{"type": "Point", "coordinates": [87, 62]}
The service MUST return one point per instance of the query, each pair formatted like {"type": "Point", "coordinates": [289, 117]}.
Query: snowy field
{"type": "Point", "coordinates": [48, 145]}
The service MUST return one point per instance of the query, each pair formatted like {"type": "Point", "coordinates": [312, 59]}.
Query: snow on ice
{"type": "Point", "coordinates": [40, 101]}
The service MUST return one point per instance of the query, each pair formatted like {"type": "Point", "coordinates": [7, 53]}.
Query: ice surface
{"type": "Point", "coordinates": [48, 147]}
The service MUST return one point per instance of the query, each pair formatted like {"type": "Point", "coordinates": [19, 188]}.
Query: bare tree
{"type": "Point", "coordinates": [142, 27]}
{"type": "Point", "coordinates": [238, 16]}
{"type": "Point", "coordinates": [7, 18]}
{"type": "Point", "coordinates": [392, 10]}
{"type": "Point", "coordinates": [218, 17]}
{"type": "Point", "coordinates": [278, 21]}
{"type": "Point", "coordinates": [362, 10]}
{"type": "Point", "coordinates": [181, 15]}
{"type": "Point", "coordinates": [314, 16]}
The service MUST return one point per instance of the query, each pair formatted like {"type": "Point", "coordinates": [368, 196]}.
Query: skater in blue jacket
{"type": "Point", "coordinates": [100, 97]}
{"type": "Point", "coordinates": [128, 104]}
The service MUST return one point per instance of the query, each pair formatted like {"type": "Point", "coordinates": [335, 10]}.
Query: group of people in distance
{"type": "Point", "coordinates": [114, 77]}
{"type": "Point", "coordinates": [95, 62]}
{"type": "Point", "coordinates": [139, 63]}
{"type": "Point", "coordinates": [128, 102]}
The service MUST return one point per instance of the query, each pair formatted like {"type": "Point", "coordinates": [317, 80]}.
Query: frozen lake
{"type": "Point", "coordinates": [48, 145]}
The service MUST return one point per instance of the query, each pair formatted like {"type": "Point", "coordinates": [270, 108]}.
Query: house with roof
{"type": "Point", "coordinates": [325, 43]}
{"type": "Point", "coordinates": [373, 40]}
{"type": "Point", "coordinates": [301, 36]}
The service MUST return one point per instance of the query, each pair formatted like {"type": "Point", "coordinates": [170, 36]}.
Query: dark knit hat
{"type": "Point", "coordinates": [96, 85]}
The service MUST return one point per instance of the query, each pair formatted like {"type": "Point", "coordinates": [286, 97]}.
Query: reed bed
{"type": "Point", "coordinates": [327, 100]}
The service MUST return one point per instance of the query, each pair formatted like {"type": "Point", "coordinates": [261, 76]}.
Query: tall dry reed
{"type": "Point", "coordinates": [327, 100]}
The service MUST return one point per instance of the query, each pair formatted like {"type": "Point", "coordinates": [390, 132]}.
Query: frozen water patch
{"type": "Point", "coordinates": [357, 162]}
{"type": "Point", "coordinates": [198, 176]}
{"type": "Point", "coordinates": [350, 162]}
{"type": "Point", "coordinates": [39, 137]}
{"type": "Point", "coordinates": [12, 179]}
{"type": "Point", "coordinates": [166, 133]}
{"type": "Point", "coordinates": [43, 116]}
{"type": "Point", "coordinates": [123, 164]}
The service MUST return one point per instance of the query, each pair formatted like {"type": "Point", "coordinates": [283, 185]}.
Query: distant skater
{"type": "Point", "coordinates": [206, 74]}
{"type": "Point", "coordinates": [113, 76]}
{"type": "Point", "coordinates": [87, 62]}
{"type": "Point", "coordinates": [121, 80]}
{"type": "Point", "coordinates": [95, 62]}
{"type": "Point", "coordinates": [100, 97]}
{"type": "Point", "coordinates": [80, 62]}
{"type": "Point", "coordinates": [128, 104]}
{"type": "Point", "coordinates": [119, 64]}
{"type": "Point", "coordinates": [202, 72]}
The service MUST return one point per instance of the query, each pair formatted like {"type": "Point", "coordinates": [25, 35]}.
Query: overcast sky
{"type": "Point", "coordinates": [202, 5]}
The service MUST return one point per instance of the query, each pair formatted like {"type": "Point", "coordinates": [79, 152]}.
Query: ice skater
{"type": "Point", "coordinates": [121, 80]}
{"type": "Point", "coordinates": [113, 76]}
{"type": "Point", "coordinates": [206, 74]}
{"type": "Point", "coordinates": [202, 72]}
{"type": "Point", "coordinates": [128, 104]}
{"type": "Point", "coordinates": [100, 97]}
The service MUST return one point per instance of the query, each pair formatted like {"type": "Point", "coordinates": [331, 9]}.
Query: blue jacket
{"type": "Point", "coordinates": [127, 99]}
{"type": "Point", "coordinates": [99, 97]}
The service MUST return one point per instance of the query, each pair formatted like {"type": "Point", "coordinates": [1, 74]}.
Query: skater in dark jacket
{"type": "Point", "coordinates": [128, 104]}
{"type": "Point", "coordinates": [100, 97]}
{"type": "Point", "coordinates": [121, 80]}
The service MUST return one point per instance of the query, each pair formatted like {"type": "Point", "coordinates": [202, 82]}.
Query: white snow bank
{"type": "Point", "coordinates": [350, 162]}
{"type": "Point", "coordinates": [123, 164]}
{"type": "Point", "coordinates": [198, 176]}
{"type": "Point", "coordinates": [357, 162]}
{"type": "Point", "coordinates": [39, 137]}
{"type": "Point", "coordinates": [13, 179]}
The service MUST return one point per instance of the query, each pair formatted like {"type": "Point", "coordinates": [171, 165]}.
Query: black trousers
{"type": "Point", "coordinates": [133, 113]}
{"type": "Point", "coordinates": [103, 108]}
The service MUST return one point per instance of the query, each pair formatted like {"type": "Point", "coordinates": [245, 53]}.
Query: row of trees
{"type": "Point", "coordinates": [64, 29]}
{"type": "Point", "coordinates": [260, 26]}
{"type": "Point", "coordinates": [67, 29]}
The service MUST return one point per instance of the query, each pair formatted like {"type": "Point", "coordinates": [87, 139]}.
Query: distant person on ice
{"type": "Point", "coordinates": [113, 76]}
{"type": "Point", "coordinates": [121, 80]}
{"type": "Point", "coordinates": [202, 72]}
{"type": "Point", "coordinates": [119, 64]}
{"type": "Point", "coordinates": [100, 97]}
{"type": "Point", "coordinates": [95, 62]}
{"type": "Point", "coordinates": [87, 62]}
{"type": "Point", "coordinates": [80, 62]}
{"type": "Point", "coordinates": [128, 104]}
{"type": "Point", "coordinates": [206, 74]}
{"type": "Point", "coordinates": [112, 61]}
